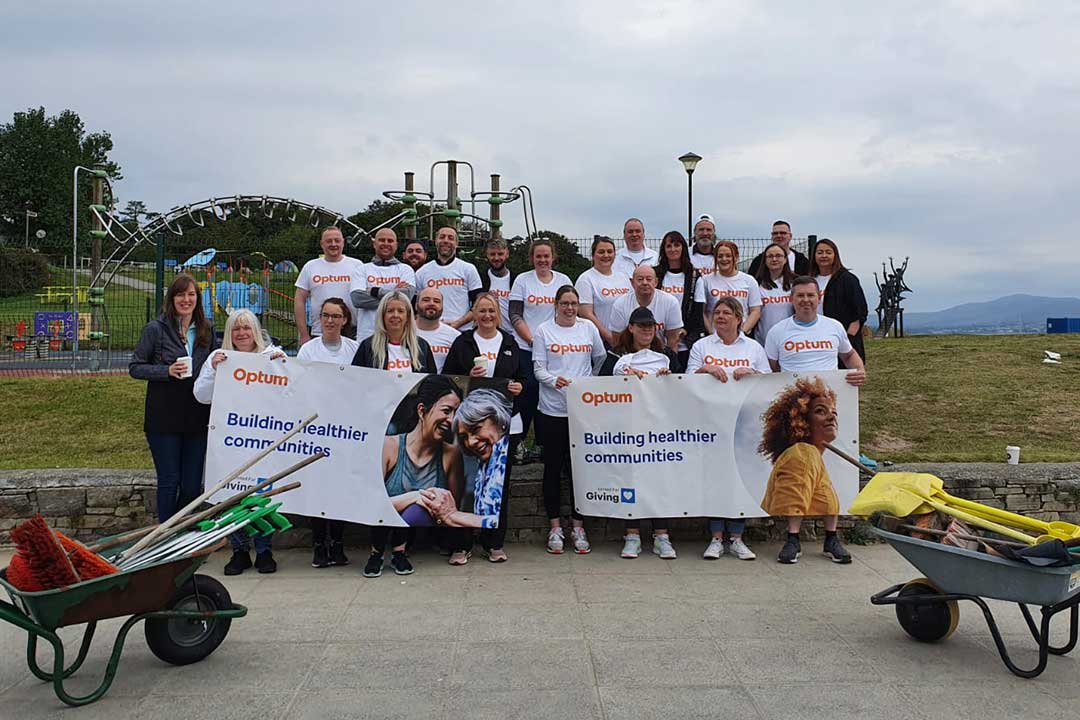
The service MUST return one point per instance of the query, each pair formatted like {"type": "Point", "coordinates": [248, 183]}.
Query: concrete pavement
{"type": "Point", "coordinates": [567, 637]}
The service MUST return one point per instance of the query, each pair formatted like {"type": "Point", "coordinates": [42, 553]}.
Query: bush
{"type": "Point", "coordinates": [22, 271]}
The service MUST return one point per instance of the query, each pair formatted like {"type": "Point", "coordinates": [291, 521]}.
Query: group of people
{"type": "Point", "coordinates": [635, 311]}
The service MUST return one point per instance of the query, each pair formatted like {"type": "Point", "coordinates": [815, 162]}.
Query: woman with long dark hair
{"type": "Point", "coordinates": [170, 354]}
{"type": "Point", "coordinates": [774, 278]}
{"type": "Point", "coordinates": [677, 276]}
{"type": "Point", "coordinates": [490, 352]}
{"type": "Point", "coordinates": [842, 297]}
{"type": "Point", "coordinates": [564, 348]}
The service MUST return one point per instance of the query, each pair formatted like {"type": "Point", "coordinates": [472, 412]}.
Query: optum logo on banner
{"type": "Point", "coordinates": [260, 378]}
{"type": "Point", "coordinates": [606, 398]}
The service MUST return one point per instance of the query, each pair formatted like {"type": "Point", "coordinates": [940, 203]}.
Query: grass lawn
{"type": "Point", "coordinates": [933, 398]}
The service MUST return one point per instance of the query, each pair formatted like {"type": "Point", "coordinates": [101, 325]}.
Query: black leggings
{"type": "Point", "coordinates": [319, 527]}
{"type": "Point", "coordinates": [554, 433]}
{"type": "Point", "coordinates": [380, 534]}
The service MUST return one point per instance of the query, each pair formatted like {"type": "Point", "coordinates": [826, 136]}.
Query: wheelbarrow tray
{"type": "Point", "coordinates": [134, 592]}
{"type": "Point", "coordinates": [960, 571]}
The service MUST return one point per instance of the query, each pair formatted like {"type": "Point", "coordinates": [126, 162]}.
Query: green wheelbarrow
{"type": "Point", "coordinates": [187, 616]}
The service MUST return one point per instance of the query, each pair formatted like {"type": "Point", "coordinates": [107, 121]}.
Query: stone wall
{"type": "Point", "coordinates": [91, 503]}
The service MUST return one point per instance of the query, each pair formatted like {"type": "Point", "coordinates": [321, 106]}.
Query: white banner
{"type": "Point", "coordinates": [687, 445]}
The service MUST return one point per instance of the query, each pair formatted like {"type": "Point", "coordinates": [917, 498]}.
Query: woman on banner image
{"type": "Point", "coordinates": [487, 352]}
{"type": "Point", "coordinates": [842, 297]}
{"type": "Point", "coordinates": [170, 353]}
{"type": "Point", "coordinates": [532, 302]}
{"type": "Point", "coordinates": [600, 286]}
{"type": "Point", "coordinates": [638, 351]}
{"type": "Point", "coordinates": [482, 426]}
{"type": "Point", "coordinates": [774, 279]}
{"type": "Point", "coordinates": [677, 276]}
{"type": "Point", "coordinates": [727, 353]}
{"type": "Point", "coordinates": [242, 334]}
{"type": "Point", "coordinates": [420, 458]}
{"type": "Point", "coordinates": [729, 281]}
{"type": "Point", "coordinates": [332, 347]}
{"type": "Point", "coordinates": [564, 348]}
{"type": "Point", "coordinates": [395, 345]}
{"type": "Point", "coordinates": [797, 425]}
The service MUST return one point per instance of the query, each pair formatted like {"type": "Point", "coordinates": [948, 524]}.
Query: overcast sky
{"type": "Point", "coordinates": [939, 130]}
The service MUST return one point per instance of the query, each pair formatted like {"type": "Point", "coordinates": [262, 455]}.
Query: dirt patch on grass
{"type": "Point", "coordinates": [885, 442]}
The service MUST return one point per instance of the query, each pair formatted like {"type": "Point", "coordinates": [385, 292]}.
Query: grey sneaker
{"type": "Point", "coordinates": [581, 542]}
{"type": "Point", "coordinates": [789, 554]}
{"type": "Point", "coordinates": [738, 549]}
{"type": "Point", "coordinates": [715, 549]}
{"type": "Point", "coordinates": [555, 541]}
{"type": "Point", "coordinates": [631, 546]}
{"type": "Point", "coordinates": [661, 545]}
{"type": "Point", "coordinates": [835, 551]}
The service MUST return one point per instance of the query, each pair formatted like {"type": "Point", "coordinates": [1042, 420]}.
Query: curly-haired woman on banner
{"type": "Point", "coordinates": [797, 425]}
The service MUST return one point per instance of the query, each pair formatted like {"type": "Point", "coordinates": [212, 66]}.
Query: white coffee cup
{"type": "Point", "coordinates": [479, 361]}
{"type": "Point", "coordinates": [186, 359]}
{"type": "Point", "coordinates": [1013, 453]}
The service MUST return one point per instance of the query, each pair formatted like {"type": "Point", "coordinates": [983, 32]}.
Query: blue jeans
{"type": "Point", "coordinates": [178, 462]}
{"type": "Point", "coordinates": [530, 393]}
{"type": "Point", "coordinates": [241, 542]}
{"type": "Point", "coordinates": [732, 525]}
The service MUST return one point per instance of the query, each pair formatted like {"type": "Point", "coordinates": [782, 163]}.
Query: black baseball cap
{"type": "Point", "coordinates": [642, 316]}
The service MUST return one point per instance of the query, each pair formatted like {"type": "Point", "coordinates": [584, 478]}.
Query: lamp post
{"type": "Point", "coordinates": [29, 214]}
{"type": "Point", "coordinates": [689, 162]}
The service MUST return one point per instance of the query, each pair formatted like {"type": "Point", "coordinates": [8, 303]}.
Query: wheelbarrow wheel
{"type": "Point", "coordinates": [182, 641]}
{"type": "Point", "coordinates": [929, 621]}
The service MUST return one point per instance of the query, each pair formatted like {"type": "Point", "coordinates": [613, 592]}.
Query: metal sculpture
{"type": "Point", "coordinates": [891, 288]}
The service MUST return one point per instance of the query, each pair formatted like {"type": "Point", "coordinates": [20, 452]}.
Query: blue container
{"type": "Point", "coordinates": [1074, 325]}
{"type": "Point", "coordinates": [1057, 325]}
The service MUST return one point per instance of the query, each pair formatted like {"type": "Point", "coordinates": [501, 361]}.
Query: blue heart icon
{"type": "Point", "coordinates": [628, 495]}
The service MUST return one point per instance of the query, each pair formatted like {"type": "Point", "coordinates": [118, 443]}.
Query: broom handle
{"type": "Point", "coordinates": [851, 459]}
{"type": "Point", "coordinates": [223, 505]}
{"type": "Point", "coordinates": [179, 516]}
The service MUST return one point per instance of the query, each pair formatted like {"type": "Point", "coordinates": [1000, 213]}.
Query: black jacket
{"type": "Point", "coordinates": [485, 279]}
{"type": "Point", "coordinates": [459, 361]}
{"type": "Point", "coordinates": [608, 366]}
{"type": "Point", "coordinates": [802, 263]}
{"type": "Point", "coordinates": [170, 405]}
{"type": "Point", "coordinates": [365, 358]}
{"type": "Point", "coordinates": [692, 317]}
{"type": "Point", "coordinates": [845, 302]}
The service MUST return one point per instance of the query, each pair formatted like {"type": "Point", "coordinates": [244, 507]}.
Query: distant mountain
{"type": "Point", "coordinates": [1009, 314]}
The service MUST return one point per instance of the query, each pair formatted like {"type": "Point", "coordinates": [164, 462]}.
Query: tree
{"type": "Point", "coordinates": [38, 154]}
{"type": "Point", "coordinates": [133, 213]}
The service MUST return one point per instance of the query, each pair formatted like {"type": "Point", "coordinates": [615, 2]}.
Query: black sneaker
{"type": "Point", "coordinates": [320, 559]}
{"type": "Point", "coordinates": [401, 564]}
{"type": "Point", "coordinates": [238, 563]}
{"type": "Point", "coordinates": [265, 562]}
{"type": "Point", "coordinates": [789, 554]}
{"type": "Point", "coordinates": [337, 554]}
{"type": "Point", "coordinates": [373, 568]}
{"type": "Point", "coordinates": [835, 551]}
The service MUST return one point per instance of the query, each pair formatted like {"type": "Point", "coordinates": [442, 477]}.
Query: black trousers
{"type": "Point", "coordinates": [319, 526]}
{"type": "Point", "coordinates": [555, 435]}
{"type": "Point", "coordinates": [379, 536]}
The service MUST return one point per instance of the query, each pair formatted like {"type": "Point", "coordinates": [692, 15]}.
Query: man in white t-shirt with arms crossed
{"type": "Point", "coordinates": [383, 274]}
{"type": "Point", "coordinates": [321, 278]}
{"type": "Point", "coordinates": [458, 280]}
{"type": "Point", "coordinates": [806, 342]}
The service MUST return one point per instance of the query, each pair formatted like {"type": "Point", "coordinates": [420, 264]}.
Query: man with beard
{"type": "Point", "coordinates": [429, 325]}
{"type": "Point", "coordinates": [415, 254]}
{"type": "Point", "coordinates": [458, 280]}
{"type": "Point", "coordinates": [498, 279]}
{"type": "Point", "coordinates": [702, 255]}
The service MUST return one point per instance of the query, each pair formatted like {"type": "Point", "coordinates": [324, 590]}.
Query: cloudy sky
{"type": "Point", "coordinates": [939, 130]}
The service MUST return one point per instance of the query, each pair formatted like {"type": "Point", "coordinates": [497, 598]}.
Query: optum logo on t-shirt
{"type": "Point", "coordinates": [800, 345]}
{"type": "Point", "coordinates": [323, 279]}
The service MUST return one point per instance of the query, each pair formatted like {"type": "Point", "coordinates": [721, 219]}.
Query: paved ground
{"type": "Point", "coordinates": [569, 637]}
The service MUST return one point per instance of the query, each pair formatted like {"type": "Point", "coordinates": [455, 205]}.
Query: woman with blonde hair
{"type": "Point", "coordinates": [242, 334]}
{"type": "Point", "coordinates": [395, 345]}
{"type": "Point", "coordinates": [797, 426]}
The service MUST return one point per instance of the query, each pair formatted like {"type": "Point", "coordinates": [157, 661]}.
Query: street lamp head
{"type": "Point", "coordinates": [690, 161]}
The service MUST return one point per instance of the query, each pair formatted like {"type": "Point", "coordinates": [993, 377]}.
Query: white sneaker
{"type": "Point", "coordinates": [715, 549]}
{"type": "Point", "coordinates": [631, 546]}
{"type": "Point", "coordinates": [661, 545]}
{"type": "Point", "coordinates": [555, 541]}
{"type": "Point", "coordinates": [581, 543]}
{"type": "Point", "coordinates": [738, 549]}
